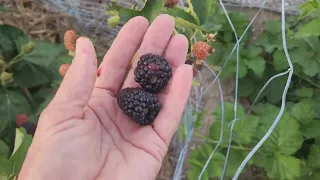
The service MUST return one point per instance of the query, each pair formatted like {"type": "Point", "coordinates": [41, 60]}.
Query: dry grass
{"type": "Point", "coordinates": [35, 21]}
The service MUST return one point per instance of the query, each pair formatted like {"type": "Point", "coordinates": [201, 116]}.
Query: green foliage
{"type": "Point", "coordinates": [34, 67]}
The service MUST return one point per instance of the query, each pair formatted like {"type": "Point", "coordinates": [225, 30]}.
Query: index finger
{"type": "Point", "coordinates": [116, 61]}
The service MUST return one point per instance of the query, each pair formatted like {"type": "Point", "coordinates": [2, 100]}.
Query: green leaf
{"type": "Point", "coordinates": [235, 159]}
{"type": "Point", "coordinates": [311, 130]}
{"type": "Point", "coordinates": [5, 165]}
{"type": "Point", "coordinates": [19, 155]}
{"type": "Point", "coordinates": [304, 92]}
{"type": "Point", "coordinates": [274, 27]}
{"type": "Point", "coordinates": [280, 61]}
{"type": "Point", "coordinates": [4, 149]}
{"type": "Point", "coordinates": [11, 41]}
{"type": "Point", "coordinates": [314, 156]}
{"type": "Point", "coordinates": [12, 102]}
{"type": "Point", "coordinates": [45, 54]}
{"type": "Point", "coordinates": [308, 7]}
{"type": "Point", "coordinates": [199, 157]}
{"type": "Point", "coordinates": [214, 22]}
{"type": "Point", "coordinates": [304, 111]}
{"type": "Point", "coordinates": [152, 9]}
{"type": "Point", "coordinates": [28, 75]}
{"type": "Point", "coordinates": [286, 138]}
{"type": "Point", "coordinates": [179, 12]}
{"type": "Point", "coordinates": [243, 129]}
{"type": "Point", "coordinates": [246, 87]}
{"type": "Point", "coordinates": [201, 9]}
{"type": "Point", "coordinates": [253, 51]}
{"type": "Point", "coordinates": [311, 67]}
{"type": "Point", "coordinates": [309, 29]}
{"type": "Point", "coordinates": [285, 167]}
{"type": "Point", "coordinates": [257, 64]}
{"type": "Point", "coordinates": [265, 109]}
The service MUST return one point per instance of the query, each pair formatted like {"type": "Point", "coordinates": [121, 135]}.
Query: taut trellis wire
{"type": "Point", "coordinates": [98, 24]}
{"type": "Point", "coordinates": [177, 174]}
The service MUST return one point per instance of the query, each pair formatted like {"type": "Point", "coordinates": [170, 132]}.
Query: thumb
{"type": "Point", "coordinates": [77, 86]}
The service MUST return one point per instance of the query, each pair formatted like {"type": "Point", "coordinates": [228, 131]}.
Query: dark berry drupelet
{"type": "Point", "coordinates": [140, 105]}
{"type": "Point", "coordinates": [153, 72]}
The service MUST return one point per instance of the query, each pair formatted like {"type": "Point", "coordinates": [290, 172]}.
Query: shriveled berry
{"type": "Point", "coordinates": [199, 64]}
{"type": "Point", "coordinates": [141, 106]}
{"type": "Point", "coordinates": [189, 61]}
{"type": "Point", "coordinates": [171, 3]}
{"type": "Point", "coordinates": [153, 72]}
{"type": "Point", "coordinates": [201, 50]}
{"type": "Point", "coordinates": [70, 40]}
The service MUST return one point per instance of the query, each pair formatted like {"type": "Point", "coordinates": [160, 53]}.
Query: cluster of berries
{"type": "Point", "coordinates": [141, 104]}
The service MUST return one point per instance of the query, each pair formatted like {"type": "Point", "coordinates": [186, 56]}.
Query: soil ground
{"type": "Point", "coordinates": [41, 24]}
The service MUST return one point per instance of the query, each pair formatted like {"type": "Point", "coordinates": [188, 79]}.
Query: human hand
{"type": "Point", "coordinates": [83, 134]}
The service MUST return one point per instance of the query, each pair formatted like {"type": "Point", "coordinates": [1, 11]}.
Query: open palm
{"type": "Point", "coordinates": [83, 134]}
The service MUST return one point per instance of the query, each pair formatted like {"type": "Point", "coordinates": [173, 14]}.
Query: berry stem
{"type": "Point", "coordinates": [27, 93]}
{"type": "Point", "coordinates": [16, 59]}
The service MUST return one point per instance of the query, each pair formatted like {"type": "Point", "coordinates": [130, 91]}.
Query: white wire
{"type": "Point", "coordinates": [222, 123]}
{"type": "Point", "coordinates": [283, 103]}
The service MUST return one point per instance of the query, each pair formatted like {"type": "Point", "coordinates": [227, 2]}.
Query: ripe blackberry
{"type": "Point", "coordinates": [153, 72]}
{"type": "Point", "coordinates": [140, 105]}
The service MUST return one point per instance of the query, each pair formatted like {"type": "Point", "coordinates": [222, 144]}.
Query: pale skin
{"type": "Point", "coordinates": [83, 135]}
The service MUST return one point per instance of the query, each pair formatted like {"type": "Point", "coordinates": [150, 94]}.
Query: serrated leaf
{"type": "Point", "coordinates": [304, 111]}
{"type": "Point", "coordinates": [314, 156]}
{"type": "Point", "coordinates": [280, 61]}
{"type": "Point", "coordinates": [19, 155]}
{"type": "Point", "coordinates": [12, 102]}
{"type": "Point", "coordinates": [311, 130]}
{"type": "Point", "coordinates": [253, 51]}
{"type": "Point", "coordinates": [152, 9]}
{"type": "Point", "coordinates": [274, 27]}
{"type": "Point", "coordinates": [243, 129]}
{"type": "Point", "coordinates": [257, 64]}
{"type": "Point", "coordinates": [309, 29]}
{"type": "Point", "coordinates": [304, 92]}
{"type": "Point", "coordinates": [199, 157]}
{"type": "Point", "coordinates": [28, 75]}
{"type": "Point", "coordinates": [265, 109]}
{"type": "Point", "coordinates": [11, 41]}
{"type": "Point", "coordinates": [44, 54]}
{"type": "Point", "coordinates": [311, 67]}
{"type": "Point", "coordinates": [285, 167]}
{"type": "Point", "coordinates": [308, 7]}
{"type": "Point", "coordinates": [286, 138]}
{"type": "Point", "coordinates": [246, 87]}
{"type": "Point", "coordinates": [201, 9]}
{"type": "Point", "coordinates": [235, 159]}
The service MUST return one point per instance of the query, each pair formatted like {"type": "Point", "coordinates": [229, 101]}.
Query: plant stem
{"type": "Point", "coordinates": [15, 59]}
{"type": "Point", "coordinates": [27, 93]}
{"type": "Point", "coordinates": [209, 140]}
{"type": "Point", "coordinates": [301, 77]}
{"type": "Point", "coordinates": [308, 80]}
